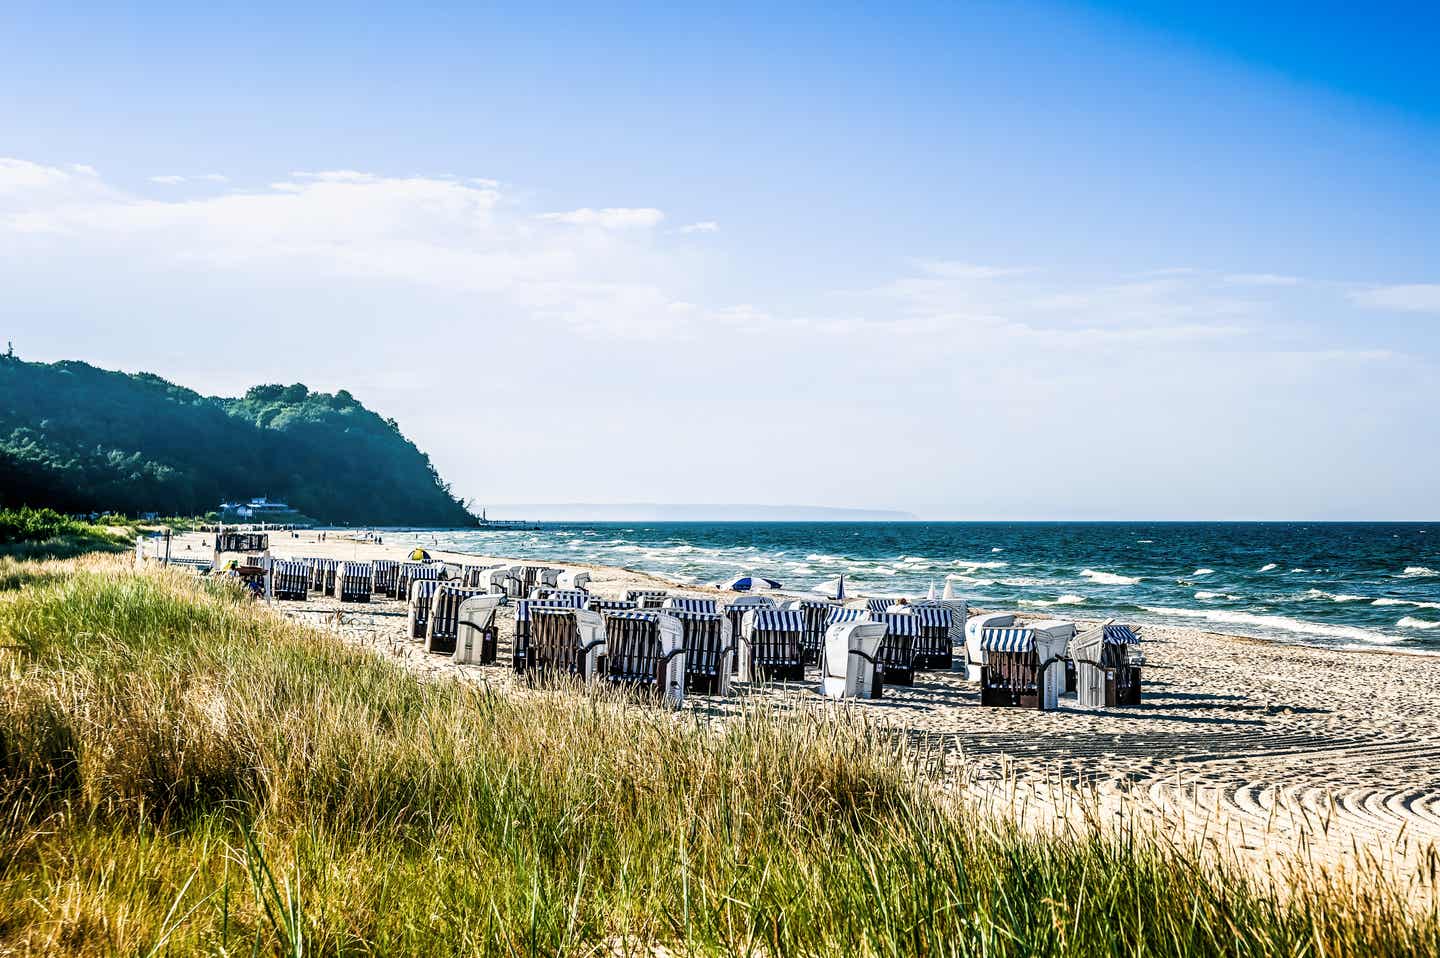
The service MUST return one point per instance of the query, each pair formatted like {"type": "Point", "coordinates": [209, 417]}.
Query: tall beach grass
{"type": "Point", "coordinates": [183, 772]}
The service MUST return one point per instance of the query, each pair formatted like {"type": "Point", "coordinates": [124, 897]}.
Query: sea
{"type": "Point", "coordinates": [1335, 584]}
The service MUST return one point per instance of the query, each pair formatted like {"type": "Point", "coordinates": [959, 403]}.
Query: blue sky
{"type": "Point", "coordinates": [973, 261]}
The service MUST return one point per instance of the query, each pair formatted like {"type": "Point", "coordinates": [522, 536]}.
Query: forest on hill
{"type": "Point", "coordinates": [77, 438]}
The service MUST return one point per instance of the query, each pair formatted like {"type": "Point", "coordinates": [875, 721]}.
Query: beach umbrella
{"type": "Point", "coordinates": [931, 593]}
{"type": "Point", "coordinates": [834, 589]}
{"type": "Point", "coordinates": [752, 583]}
{"type": "Point", "coordinates": [949, 592]}
{"type": "Point", "coordinates": [419, 555]}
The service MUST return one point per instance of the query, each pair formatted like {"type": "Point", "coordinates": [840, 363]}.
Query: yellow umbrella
{"type": "Point", "coordinates": [419, 555]}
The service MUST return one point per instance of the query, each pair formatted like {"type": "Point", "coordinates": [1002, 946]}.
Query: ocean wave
{"type": "Point", "coordinates": [997, 549]}
{"type": "Point", "coordinates": [1067, 599]}
{"type": "Point", "coordinates": [968, 564]}
{"type": "Point", "coordinates": [1282, 623]}
{"type": "Point", "coordinates": [1202, 571]}
{"type": "Point", "coordinates": [1418, 572]}
{"type": "Point", "coordinates": [1410, 622]}
{"type": "Point", "coordinates": [1322, 594]}
{"type": "Point", "coordinates": [1268, 566]}
{"type": "Point", "coordinates": [1202, 596]}
{"type": "Point", "coordinates": [1409, 602]}
{"type": "Point", "coordinates": [1109, 578]}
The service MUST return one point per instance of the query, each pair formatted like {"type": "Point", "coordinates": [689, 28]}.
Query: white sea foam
{"type": "Point", "coordinates": [997, 549]}
{"type": "Point", "coordinates": [1409, 602]}
{"type": "Point", "coordinates": [967, 564]}
{"type": "Point", "coordinates": [1280, 623]}
{"type": "Point", "coordinates": [1202, 596]}
{"type": "Point", "coordinates": [1145, 542]}
{"type": "Point", "coordinates": [1109, 578]}
{"type": "Point", "coordinates": [1410, 622]}
{"type": "Point", "coordinates": [1203, 572]}
{"type": "Point", "coordinates": [1067, 599]}
{"type": "Point", "coordinates": [1322, 594]}
{"type": "Point", "coordinates": [1268, 566]}
{"type": "Point", "coordinates": [1418, 572]}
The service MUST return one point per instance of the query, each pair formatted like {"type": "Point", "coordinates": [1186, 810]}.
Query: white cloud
{"type": "Point", "coordinates": [1409, 298]}
{"type": "Point", "coordinates": [168, 180]}
{"type": "Point", "coordinates": [18, 176]}
{"type": "Point", "coordinates": [704, 226]}
{"type": "Point", "coordinates": [612, 218]}
{"type": "Point", "coordinates": [1262, 279]}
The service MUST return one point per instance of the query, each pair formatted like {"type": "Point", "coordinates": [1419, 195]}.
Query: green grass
{"type": "Point", "coordinates": [182, 772]}
{"type": "Point", "coordinates": [46, 534]}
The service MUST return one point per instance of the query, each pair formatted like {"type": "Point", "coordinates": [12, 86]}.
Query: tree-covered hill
{"type": "Point", "coordinates": [78, 438]}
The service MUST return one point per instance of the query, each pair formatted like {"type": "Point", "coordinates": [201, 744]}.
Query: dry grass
{"type": "Point", "coordinates": [183, 772]}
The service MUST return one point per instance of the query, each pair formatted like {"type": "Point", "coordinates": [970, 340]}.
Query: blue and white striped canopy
{"type": "Point", "coordinates": [779, 620]}
{"type": "Point", "coordinates": [1008, 640]}
{"type": "Point", "coordinates": [879, 605]}
{"type": "Point", "coordinates": [610, 605]}
{"type": "Point", "coordinates": [688, 616]}
{"type": "Point", "coordinates": [679, 604]}
{"type": "Point", "coordinates": [898, 623]}
{"type": "Point", "coordinates": [749, 602]}
{"type": "Point", "coordinates": [523, 607]}
{"type": "Point", "coordinates": [1121, 635]}
{"type": "Point", "coordinates": [933, 615]}
{"type": "Point", "coordinates": [633, 615]}
{"type": "Point", "coordinates": [573, 598]}
{"type": "Point", "coordinates": [751, 583]}
{"type": "Point", "coordinates": [844, 615]}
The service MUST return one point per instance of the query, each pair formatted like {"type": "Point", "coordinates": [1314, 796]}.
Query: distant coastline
{"type": "Point", "coordinates": [689, 512]}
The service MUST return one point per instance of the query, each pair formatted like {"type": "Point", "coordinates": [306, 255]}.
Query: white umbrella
{"type": "Point", "coordinates": [949, 589]}
{"type": "Point", "coordinates": [931, 593]}
{"type": "Point", "coordinates": [834, 589]}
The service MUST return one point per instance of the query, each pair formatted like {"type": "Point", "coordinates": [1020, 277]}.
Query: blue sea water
{"type": "Point", "coordinates": [1346, 584]}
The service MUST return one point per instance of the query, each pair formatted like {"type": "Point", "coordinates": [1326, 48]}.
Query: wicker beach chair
{"type": "Point", "coordinates": [817, 620]}
{"type": "Point", "coordinates": [574, 597]}
{"type": "Point", "coordinates": [896, 658]}
{"type": "Point", "coordinates": [575, 579]}
{"type": "Point", "coordinates": [1066, 630]}
{"type": "Point", "coordinates": [880, 604]}
{"type": "Point", "coordinates": [411, 572]}
{"type": "Point", "coordinates": [290, 580]}
{"type": "Point", "coordinates": [1024, 667]}
{"type": "Point", "coordinates": [322, 575]}
{"type": "Point", "coordinates": [647, 598]}
{"type": "Point", "coordinates": [770, 648]}
{"type": "Point", "coordinates": [497, 579]}
{"type": "Point", "coordinates": [680, 603]}
{"type": "Point", "coordinates": [477, 576]}
{"type": "Point", "coordinates": [442, 627]}
{"type": "Point", "coordinates": [1107, 662]}
{"type": "Point", "coordinates": [476, 635]}
{"type": "Point", "coordinates": [422, 594]}
{"type": "Point", "coordinates": [645, 650]}
{"type": "Point", "coordinates": [735, 612]}
{"type": "Point", "coordinates": [386, 573]}
{"type": "Point", "coordinates": [932, 644]}
{"type": "Point", "coordinates": [353, 582]}
{"type": "Point", "coordinates": [709, 650]}
{"type": "Point", "coordinates": [974, 648]}
{"type": "Point", "coordinates": [850, 665]}
{"type": "Point", "coordinates": [520, 648]}
{"type": "Point", "coordinates": [566, 642]}
{"type": "Point", "coordinates": [242, 542]}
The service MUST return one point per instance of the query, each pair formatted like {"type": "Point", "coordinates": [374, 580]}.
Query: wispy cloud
{"type": "Point", "coordinates": [704, 226]}
{"type": "Point", "coordinates": [1408, 298]}
{"type": "Point", "coordinates": [171, 179]}
{"type": "Point", "coordinates": [611, 218]}
{"type": "Point", "coordinates": [1262, 279]}
{"type": "Point", "coordinates": [168, 179]}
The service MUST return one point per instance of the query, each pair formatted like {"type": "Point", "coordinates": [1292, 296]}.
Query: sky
{"type": "Point", "coordinates": [973, 261]}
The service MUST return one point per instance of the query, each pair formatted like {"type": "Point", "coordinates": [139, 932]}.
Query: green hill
{"type": "Point", "coordinates": [78, 438]}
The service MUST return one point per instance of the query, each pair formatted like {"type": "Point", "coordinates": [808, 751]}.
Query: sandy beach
{"type": "Point", "coordinates": [1264, 752]}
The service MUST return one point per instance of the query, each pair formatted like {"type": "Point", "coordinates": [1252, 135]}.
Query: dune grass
{"type": "Point", "coordinates": [182, 772]}
{"type": "Point", "coordinates": [46, 534]}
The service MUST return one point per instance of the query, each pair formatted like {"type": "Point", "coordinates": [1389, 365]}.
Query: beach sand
{"type": "Point", "coordinates": [1263, 753]}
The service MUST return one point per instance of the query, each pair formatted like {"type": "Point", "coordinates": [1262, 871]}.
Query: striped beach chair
{"type": "Point", "coordinates": [597, 604]}
{"type": "Point", "coordinates": [290, 579]}
{"type": "Point", "coordinates": [896, 657]}
{"type": "Point", "coordinates": [679, 603]}
{"type": "Point", "coordinates": [444, 622]}
{"type": "Point", "coordinates": [322, 575]}
{"type": "Point", "coordinates": [1024, 667]}
{"type": "Point", "coordinates": [520, 649]}
{"type": "Point", "coordinates": [411, 572]}
{"type": "Point", "coordinates": [838, 615]}
{"type": "Point", "coordinates": [735, 612]}
{"type": "Point", "coordinates": [565, 642]}
{"type": "Point", "coordinates": [476, 635]}
{"type": "Point", "coordinates": [353, 582]}
{"type": "Point", "coordinates": [817, 620]}
{"type": "Point", "coordinates": [422, 593]}
{"type": "Point", "coordinates": [645, 650]}
{"type": "Point", "coordinates": [770, 649]}
{"type": "Point", "coordinates": [878, 605]}
{"type": "Point", "coordinates": [647, 598]}
{"type": "Point", "coordinates": [975, 655]}
{"type": "Point", "coordinates": [850, 666]}
{"type": "Point", "coordinates": [575, 597]}
{"type": "Point", "coordinates": [477, 576]}
{"type": "Point", "coordinates": [709, 650]}
{"type": "Point", "coordinates": [1107, 663]}
{"type": "Point", "coordinates": [932, 645]}
{"type": "Point", "coordinates": [386, 573]}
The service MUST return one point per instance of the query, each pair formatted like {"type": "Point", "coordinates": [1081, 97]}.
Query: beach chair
{"type": "Point", "coordinates": [412, 572]}
{"type": "Point", "coordinates": [647, 598]}
{"type": "Point", "coordinates": [477, 576]}
{"type": "Point", "coordinates": [531, 576]}
{"type": "Point", "coordinates": [974, 630]}
{"type": "Point", "coordinates": [520, 649]}
{"type": "Point", "coordinates": [896, 657]}
{"type": "Point", "coordinates": [575, 597]}
{"type": "Point", "coordinates": [597, 604]}
{"type": "Point", "coordinates": [645, 650]}
{"type": "Point", "coordinates": [421, 595]}
{"type": "Point", "coordinates": [735, 612]}
{"type": "Point", "coordinates": [709, 650]}
{"type": "Point", "coordinates": [1107, 662]}
{"type": "Point", "coordinates": [476, 635]}
{"type": "Point", "coordinates": [497, 580]}
{"type": "Point", "coordinates": [879, 605]}
{"type": "Point", "coordinates": [565, 642]}
{"type": "Point", "coordinates": [770, 645]}
{"type": "Point", "coordinates": [850, 665]}
{"type": "Point", "coordinates": [817, 620]}
{"type": "Point", "coordinates": [386, 573]}
{"type": "Point", "coordinates": [442, 625]}
{"type": "Point", "coordinates": [322, 575]}
{"type": "Point", "coordinates": [573, 580]}
{"type": "Point", "coordinates": [290, 580]}
{"type": "Point", "coordinates": [959, 615]}
{"type": "Point", "coordinates": [1024, 667]}
{"type": "Point", "coordinates": [1061, 627]}
{"type": "Point", "coordinates": [353, 582]}
{"type": "Point", "coordinates": [680, 603]}
{"type": "Point", "coordinates": [932, 643]}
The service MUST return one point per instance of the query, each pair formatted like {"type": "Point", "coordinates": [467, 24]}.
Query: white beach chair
{"type": "Point", "coordinates": [849, 666]}
{"type": "Point", "coordinates": [1107, 666]}
{"type": "Point", "coordinates": [443, 627]}
{"type": "Point", "coordinates": [476, 637]}
{"type": "Point", "coordinates": [575, 579]}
